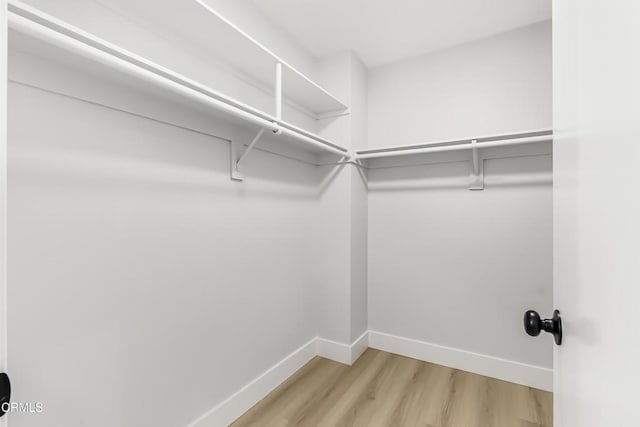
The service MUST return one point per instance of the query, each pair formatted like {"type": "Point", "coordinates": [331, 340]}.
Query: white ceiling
{"type": "Point", "coordinates": [384, 31]}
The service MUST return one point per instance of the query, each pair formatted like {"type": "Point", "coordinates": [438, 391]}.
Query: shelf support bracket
{"type": "Point", "coordinates": [236, 175]}
{"type": "Point", "coordinates": [278, 91]}
{"type": "Point", "coordinates": [333, 114]}
{"type": "Point", "coordinates": [477, 172]}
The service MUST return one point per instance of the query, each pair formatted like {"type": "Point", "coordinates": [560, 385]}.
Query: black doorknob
{"type": "Point", "coordinates": [533, 325]}
{"type": "Point", "coordinates": [5, 392]}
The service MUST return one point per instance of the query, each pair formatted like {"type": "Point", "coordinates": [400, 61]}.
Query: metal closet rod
{"type": "Point", "coordinates": [473, 143]}
{"type": "Point", "coordinates": [66, 42]}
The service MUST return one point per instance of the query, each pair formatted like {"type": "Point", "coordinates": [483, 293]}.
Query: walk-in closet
{"type": "Point", "coordinates": [277, 213]}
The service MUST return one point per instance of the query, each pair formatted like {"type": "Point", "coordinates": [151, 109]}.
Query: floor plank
{"type": "Point", "coordinates": [383, 390]}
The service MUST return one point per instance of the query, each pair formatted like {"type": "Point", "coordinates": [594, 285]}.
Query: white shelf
{"type": "Point", "coordinates": [44, 36]}
{"type": "Point", "coordinates": [204, 27]}
{"type": "Point", "coordinates": [474, 143]}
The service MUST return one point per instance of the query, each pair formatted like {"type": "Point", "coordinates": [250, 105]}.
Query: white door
{"type": "Point", "coordinates": [597, 211]}
{"type": "Point", "coordinates": [3, 187]}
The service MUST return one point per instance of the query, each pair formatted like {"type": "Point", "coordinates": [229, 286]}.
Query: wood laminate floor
{"type": "Point", "coordinates": [383, 389]}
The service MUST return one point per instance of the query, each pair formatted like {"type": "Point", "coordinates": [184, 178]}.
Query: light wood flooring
{"type": "Point", "coordinates": [383, 389]}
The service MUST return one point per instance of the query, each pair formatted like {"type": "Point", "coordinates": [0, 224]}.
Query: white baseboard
{"type": "Point", "coordinates": [333, 350]}
{"type": "Point", "coordinates": [241, 401]}
{"type": "Point", "coordinates": [507, 370]}
{"type": "Point", "coordinates": [343, 353]}
{"type": "Point", "coordinates": [359, 346]}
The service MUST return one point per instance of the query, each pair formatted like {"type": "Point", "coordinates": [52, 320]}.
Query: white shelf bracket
{"type": "Point", "coordinates": [333, 114]}
{"type": "Point", "coordinates": [278, 91]}
{"type": "Point", "coordinates": [477, 172]}
{"type": "Point", "coordinates": [236, 161]}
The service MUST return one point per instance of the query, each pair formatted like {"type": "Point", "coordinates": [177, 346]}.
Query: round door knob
{"type": "Point", "coordinates": [5, 392]}
{"type": "Point", "coordinates": [533, 324]}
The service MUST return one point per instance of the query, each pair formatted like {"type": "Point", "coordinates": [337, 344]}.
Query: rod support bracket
{"type": "Point", "coordinates": [477, 168]}
{"type": "Point", "coordinates": [236, 175]}
{"type": "Point", "coordinates": [236, 160]}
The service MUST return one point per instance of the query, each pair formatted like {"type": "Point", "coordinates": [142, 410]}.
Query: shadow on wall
{"type": "Point", "coordinates": [502, 168]}
{"type": "Point", "coordinates": [133, 151]}
{"type": "Point", "coordinates": [132, 250]}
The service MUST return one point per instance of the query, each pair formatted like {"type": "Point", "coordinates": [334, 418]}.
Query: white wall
{"type": "Point", "coordinates": [146, 285]}
{"type": "Point", "coordinates": [343, 303]}
{"type": "Point", "coordinates": [359, 210]}
{"type": "Point", "coordinates": [458, 268]}
{"type": "Point", "coordinates": [450, 266]}
{"type": "Point", "coordinates": [500, 84]}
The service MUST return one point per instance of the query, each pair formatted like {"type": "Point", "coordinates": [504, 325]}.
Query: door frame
{"type": "Point", "coordinates": [3, 189]}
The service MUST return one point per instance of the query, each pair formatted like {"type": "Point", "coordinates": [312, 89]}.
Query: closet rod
{"type": "Point", "coordinates": [314, 142]}
{"type": "Point", "coordinates": [311, 135]}
{"type": "Point", "coordinates": [467, 146]}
